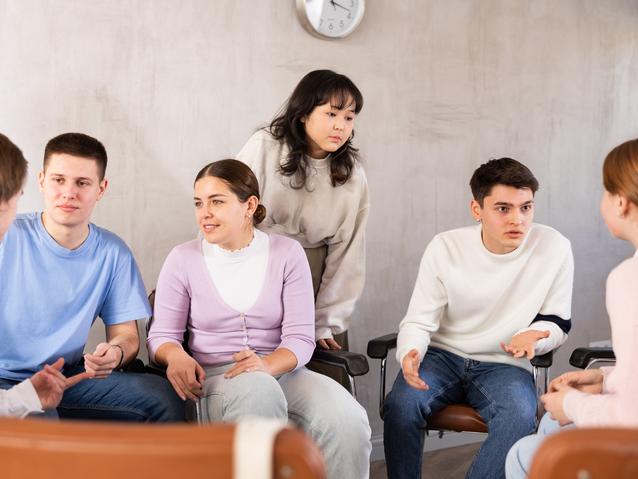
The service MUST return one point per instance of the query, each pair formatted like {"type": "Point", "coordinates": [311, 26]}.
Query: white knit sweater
{"type": "Point", "coordinates": [467, 300]}
{"type": "Point", "coordinates": [316, 215]}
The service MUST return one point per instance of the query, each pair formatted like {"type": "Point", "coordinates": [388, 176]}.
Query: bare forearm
{"type": "Point", "coordinates": [124, 336]}
{"type": "Point", "coordinates": [280, 361]}
{"type": "Point", "coordinates": [164, 352]}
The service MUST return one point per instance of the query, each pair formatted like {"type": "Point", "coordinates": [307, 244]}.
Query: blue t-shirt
{"type": "Point", "coordinates": [50, 296]}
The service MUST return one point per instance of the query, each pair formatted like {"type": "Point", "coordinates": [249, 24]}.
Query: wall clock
{"type": "Point", "coordinates": [330, 19]}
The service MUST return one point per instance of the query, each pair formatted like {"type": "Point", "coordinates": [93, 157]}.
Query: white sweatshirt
{"type": "Point", "coordinates": [468, 300]}
{"type": "Point", "coordinates": [20, 400]}
{"type": "Point", "coordinates": [318, 214]}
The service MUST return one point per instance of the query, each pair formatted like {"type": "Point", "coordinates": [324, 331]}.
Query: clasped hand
{"type": "Point", "coordinates": [103, 360]}
{"type": "Point", "coordinates": [247, 361]}
{"type": "Point", "coordinates": [588, 381]}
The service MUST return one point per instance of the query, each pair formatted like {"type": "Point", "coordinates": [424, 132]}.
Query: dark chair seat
{"type": "Point", "coordinates": [457, 417]}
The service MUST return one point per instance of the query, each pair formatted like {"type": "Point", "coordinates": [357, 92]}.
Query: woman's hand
{"type": "Point", "coordinates": [587, 381]}
{"type": "Point", "coordinates": [553, 403]}
{"type": "Point", "coordinates": [247, 361]}
{"type": "Point", "coordinates": [185, 374]}
{"type": "Point", "coordinates": [328, 343]}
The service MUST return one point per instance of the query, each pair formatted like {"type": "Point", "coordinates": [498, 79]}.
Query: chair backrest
{"type": "Point", "coordinates": [588, 453]}
{"type": "Point", "coordinates": [36, 448]}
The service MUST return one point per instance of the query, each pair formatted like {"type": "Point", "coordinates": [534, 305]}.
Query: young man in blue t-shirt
{"type": "Point", "coordinates": [44, 389]}
{"type": "Point", "coordinates": [58, 273]}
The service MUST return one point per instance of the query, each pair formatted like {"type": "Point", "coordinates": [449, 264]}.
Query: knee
{"type": "Point", "coordinates": [165, 404]}
{"type": "Point", "coordinates": [256, 394]}
{"type": "Point", "coordinates": [346, 420]}
{"type": "Point", "coordinates": [519, 457]}
{"type": "Point", "coordinates": [402, 406]}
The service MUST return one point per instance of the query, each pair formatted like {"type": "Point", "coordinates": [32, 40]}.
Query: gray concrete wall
{"type": "Point", "coordinates": [169, 86]}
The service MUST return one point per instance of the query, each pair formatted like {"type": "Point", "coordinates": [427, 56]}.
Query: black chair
{"type": "Point", "coordinates": [587, 358]}
{"type": "Point", "coordinates": [454, 417]}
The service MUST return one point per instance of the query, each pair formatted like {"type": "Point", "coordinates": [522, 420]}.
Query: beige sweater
{"type": "Point", "coordinates": [316, 215]}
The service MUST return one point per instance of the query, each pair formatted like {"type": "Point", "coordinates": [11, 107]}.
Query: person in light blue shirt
{"type": "Point", "coordinates": [58, 273]}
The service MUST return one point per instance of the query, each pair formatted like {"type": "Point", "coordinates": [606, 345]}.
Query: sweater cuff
{"type": "Point", "coordinates": [570, 404]}
{"type": "Point", "coordinates": [323, 332]}
{"type": "Point", "coordinates": [556, 336]}
{"type": "Point", "coordinates": [26, 397]}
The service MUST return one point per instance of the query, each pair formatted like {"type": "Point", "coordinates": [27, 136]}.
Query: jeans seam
{"type": "Point", "coordinates": [93, 407]}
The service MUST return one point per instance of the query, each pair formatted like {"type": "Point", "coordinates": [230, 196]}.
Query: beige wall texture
{"type": "Point", "coordinates": [171, 85]}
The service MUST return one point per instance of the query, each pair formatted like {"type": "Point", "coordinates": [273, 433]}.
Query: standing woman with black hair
{"type": "Point", "coordinates": [317, 193]}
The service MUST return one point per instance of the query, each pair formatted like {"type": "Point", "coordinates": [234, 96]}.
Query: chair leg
{"type": "Point", "coordinates": [198, 410]}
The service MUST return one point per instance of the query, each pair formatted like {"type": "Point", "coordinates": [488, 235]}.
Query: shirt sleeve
{"type": "Point", "coordinates": [423, 317]}
{"type": "Point", "coordinates": [253, 154]}
{"type": "Point", "coordinates": [126, 298]}
{"type": "Point", "coordinates": [297, 327]}
{"type": "Point", "coordinates": [557, 305]}
{"type": "Point", "coordinates": [343, 277]}
{"type": "Point", "coordinates": [20, 401]}
{"type": "Point", "coordinates": [172, 304]}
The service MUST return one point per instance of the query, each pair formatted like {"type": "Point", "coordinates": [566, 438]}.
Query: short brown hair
{"type": "Point", "coordinates": [13, 169]}
{"type": "Point", "coordinates": [77, 144]}
{"type": "Point", "coordinates": [620, 170]}
{"type": "Point", "coordinates": [240, 179]}
{"type": "Point", "coordinates": [501, 171]}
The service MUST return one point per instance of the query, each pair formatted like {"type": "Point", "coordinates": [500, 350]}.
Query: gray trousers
{"type": "Point", "coordinates": [315, 403]}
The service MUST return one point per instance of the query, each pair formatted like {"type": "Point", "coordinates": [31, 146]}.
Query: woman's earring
{"type": "Point", "coordinates": [478, 220]}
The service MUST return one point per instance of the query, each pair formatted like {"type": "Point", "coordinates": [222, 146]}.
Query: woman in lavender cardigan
{"type": "Point", "coordinates": [246, 299]}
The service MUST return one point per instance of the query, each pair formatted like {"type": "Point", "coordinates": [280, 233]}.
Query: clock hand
{"type": "Point", "coordinates": [335, 5]}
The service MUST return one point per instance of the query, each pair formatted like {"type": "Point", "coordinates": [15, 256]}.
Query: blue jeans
{"type": "Point", "coordinates": [503, 395]}
{"type": "Point", "coordinates": [121, 396]}
{"type": "Point", "coordinates": [519, 459]}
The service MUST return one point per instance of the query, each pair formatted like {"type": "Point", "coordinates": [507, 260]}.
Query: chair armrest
{"type": "Point", "coordinates": [543, 361]}
{"type": "Point", "coordinates": [378, 347]}
{"type": "Point", "coordinates": [581, 357]}
{"type": "Point", "coordinates": [354, 363]}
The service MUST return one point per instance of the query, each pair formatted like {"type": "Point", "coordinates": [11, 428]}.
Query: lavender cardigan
{"type": "Point", "coordinates": [282, 316]}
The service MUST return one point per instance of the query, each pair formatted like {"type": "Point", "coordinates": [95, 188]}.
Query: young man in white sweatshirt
{"type": "Point", "coordinates": [487, 298]}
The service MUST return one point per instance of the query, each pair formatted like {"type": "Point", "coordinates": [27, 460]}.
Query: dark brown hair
{"type": "Point", "coordinates": [240, 179]}
{"type": "Point", "coordinates": [316, 88]}
{"type": "Point", "coordinates": [620, 170]}
{"type": "Point", "coordinates": [13, 169]}
{"type": "Point", "coordinates": [501, 171]}
{"type": "Point", "coordinates": [77, 144]}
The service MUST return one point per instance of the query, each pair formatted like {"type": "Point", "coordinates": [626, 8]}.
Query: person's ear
{"type": "Point", "coordinates": [41, 180]}
{"type": "Point", "coordinates": [622, 205]}
{"type": "Point", "coordinates": [252, 204]}
{"type": "Point", "coordinates": [476, 210]}
{"type": "Point", "coordinates": [102, 188]}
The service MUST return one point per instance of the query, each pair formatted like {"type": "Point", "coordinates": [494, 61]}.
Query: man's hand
{"type": "Point", "coordinates": [410, 368]}
{"type": "Point", "coordinates": [50, 383]}
{"type": "Point", "coordinates": [553, 403]}
{"type": "Point", "coordinates": [247, 361]}
{"type": "Point", "coordinates": [587, 381]}
{"type": "Point", "coordinates": [103, 360]}
{"type": "Point", "coordinates": [185, 375]}
{"type": "Point", "coordinates": [328, 343]}
{"type": "Point", "coordinates": [523, 344]}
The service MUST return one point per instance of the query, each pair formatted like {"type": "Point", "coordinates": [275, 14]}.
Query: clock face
{"type": "Point", "coordinates": [330, 18]}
